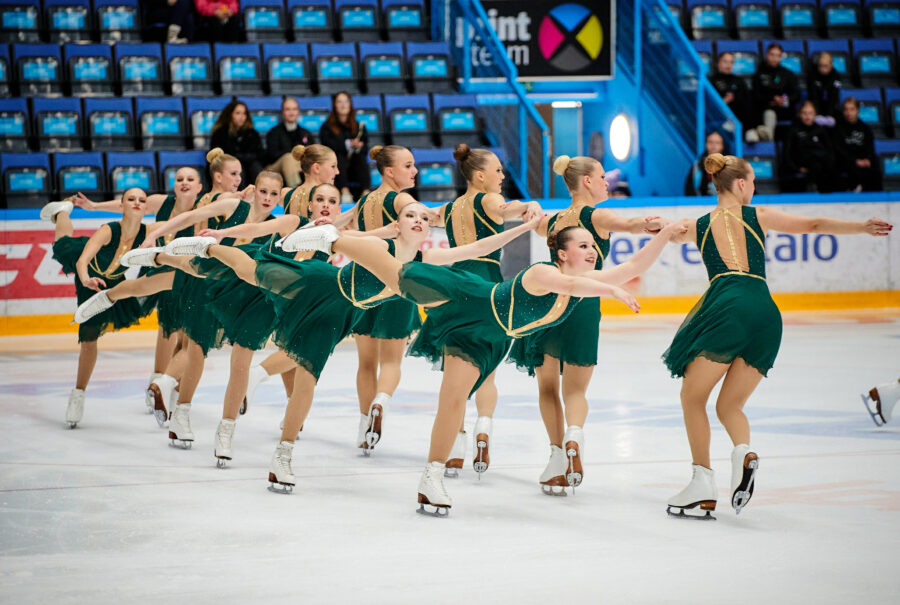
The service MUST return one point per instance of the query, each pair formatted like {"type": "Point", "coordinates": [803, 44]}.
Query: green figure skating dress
{"type": "Point", "coordinates": [169, 310]}
{"type": "Point", "coordinates": [575, 340]}
{"type": "Point", "coordinates": [482, 318]}
{"type": "Point", "coordinates": [736, 317]}
{"type": "Point", "coordinates": [317, 304]}
{"type": "Point", "coordinates": [105, 265]}
{"type": "Point", "coordinates": [398, 318]}
{"type": "Point", "coordinates": [296, 201]}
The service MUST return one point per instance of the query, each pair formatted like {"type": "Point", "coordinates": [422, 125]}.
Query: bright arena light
{"type": "Point", "coordinates": [620, 137]}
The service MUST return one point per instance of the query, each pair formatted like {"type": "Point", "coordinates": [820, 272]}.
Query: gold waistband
{"type": "Point", "coordinates": [737, 273]}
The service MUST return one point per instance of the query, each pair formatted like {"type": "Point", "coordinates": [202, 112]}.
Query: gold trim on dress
{"type": "Point", "coordinates": [556, 310]}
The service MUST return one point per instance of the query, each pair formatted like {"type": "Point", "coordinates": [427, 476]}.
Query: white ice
{"type": "Point", "coordinates": [109, 512]}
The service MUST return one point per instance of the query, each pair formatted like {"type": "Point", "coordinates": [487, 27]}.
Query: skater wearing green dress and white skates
{"type": "Point", "coordinates": [734, 331]}
{"type": "Point", "coordinates": [96, 263]}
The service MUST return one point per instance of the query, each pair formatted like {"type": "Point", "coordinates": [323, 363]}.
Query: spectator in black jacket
{"type": "Point", "coordinates": [855, 147]}
{"type": "Point", "coordinates": [282, 138]}
{"type": "Point", "coordinates": [732, 88]}
{"type": "Point", "coordinates": [699, 182]}
{"type": "Point", "coordinates": [350, 142]}
{"type": "Point", "coordinates": [809, 158]}
{"type": "Point", "coordinates": [234, 133]}
{"type": "Point", "coordinates": [775, 92]}
{"type": "Point", "coordinates": [824, 89]}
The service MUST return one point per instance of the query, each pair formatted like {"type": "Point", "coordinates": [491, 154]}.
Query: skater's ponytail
{"type": "Point", "coordinates": [573, 169]}
{"type": "Point", "coordinates": [385, 156]}
{"type": "Point", "coordinates": [308, 155]}
{"type": "Point", "coordinates": [725, 170]}
{"type": "Point", "coordinates": [471, 160]}
{"type": "Point", "coordinates": [217, 159]}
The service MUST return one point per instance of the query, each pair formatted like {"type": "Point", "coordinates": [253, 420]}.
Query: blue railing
{"type": "Point", "coordinates": [511, 120]}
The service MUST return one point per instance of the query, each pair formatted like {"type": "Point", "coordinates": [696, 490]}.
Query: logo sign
{"type": "Point", "coordinates": [550, 39]}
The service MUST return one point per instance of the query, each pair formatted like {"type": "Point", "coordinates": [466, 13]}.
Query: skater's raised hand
{"type": "Point", "coordinates": [248, 193]}
{"type": "Point", "coordinates": [94, 283]}
{"type": "Point", "coordinates": [81, 201]}
{"type": "Point", "coordinates": [534, 221]}
{"type": "Point", "coordinates": [655, 224]}
{"type": "Point", "coordinates": [620, 294]}
{"type": "Point", "coordinates": [875, 226]}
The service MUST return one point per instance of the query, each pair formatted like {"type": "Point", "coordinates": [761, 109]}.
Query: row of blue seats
{"type": "Point", "coordinates": [270, 20]}
{"type": "Point", "coordinates": [29, 180]}
{"type": "Point", "coordinates": [173, 123]}
{"type": "Point", "coordinates": [868, 62]}
{"type": "Point", "coordinates": [752, 19]}
{"type": "Point", "coordinates": [202, 69]}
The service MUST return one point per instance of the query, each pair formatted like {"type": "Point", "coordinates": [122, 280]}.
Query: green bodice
{"type": "Point", "coordinates": [520, 313]}
{"type": "Point", "coordinates": [105, 263]}
{"type": "Point", "coordinates": [466, 222]}
{"type": "Point", "coordinates": [359, 286]}
{"type": "Point", "coordinates": [165, 213]}
{"type": "Point", "coordinates": [296, 200]}
{"type": "Point", "coordinates": [582, 219]}
{"type": "Point", "coordinates": [269, 246]}
{"type": "Point", "coordinates": [753, 236]}
{"type": "Point", "coordinates": [378, 211]}
{"type": "Point", "coordinates": [239, 217]}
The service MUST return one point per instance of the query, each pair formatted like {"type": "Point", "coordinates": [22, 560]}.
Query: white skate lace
{"type": "Point", "coordinates": [283, 460]}
{"type": "Point", "coordinates": [183, 419]}
{"type": "Point", "coordinates": [226, 432]}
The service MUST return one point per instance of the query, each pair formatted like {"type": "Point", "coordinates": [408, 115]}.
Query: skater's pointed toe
{"type": "Point", "coordinates": [49, 211]}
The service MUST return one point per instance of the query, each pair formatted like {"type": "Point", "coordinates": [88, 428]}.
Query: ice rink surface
{"type": "Point", "coordinates": [110, 513]}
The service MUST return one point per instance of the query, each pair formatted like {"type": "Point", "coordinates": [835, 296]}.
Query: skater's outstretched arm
{"type": "Point", "coordinates": [218, 208]}
{"type": "Point", "coordinates": [542, 279]}
{"type": "Point", "coordinates": [770, 218]}
{"type": "Point", "coordinates": [641, 260]}
{"type": "Point", "coordinates": [496, 206]}
{"type": "Point", "coordinates": [281, 225]}
{"type": "Point", "coordinates": [154, 202]}
{"type": "Point", "coordinates": [448, 256]}
{"type": "Point", "coordinates": [100, 238]}
{"type": "Point", "coordinates": [604, 219]}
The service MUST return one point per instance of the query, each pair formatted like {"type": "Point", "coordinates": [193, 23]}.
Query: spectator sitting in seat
{"type": "Point", "coordinates": [809, 158]}
{"type": "Point", "coordinates": [733, 91]}
{"type": "Point", "coordinates": [855, 147]}
{"type": "Point", "coordinates": [282, 138]}
{"type": "Point", "coordinates": [698, 181]}
{"type": "Point", "coordinates": [350, 142]}
{"type": "Point", "coordinates": [775, 91]}
{"type": "Point", "coordinates": [824, 89]}
{"type": "Point", "coordinates": [220, 20]}
{"type": "Point", "coordinates": [234, 133]}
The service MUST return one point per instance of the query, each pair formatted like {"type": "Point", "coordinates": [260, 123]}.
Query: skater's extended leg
{"type": "Point", "coordinates": [279, 363]}
{"type": "Point", "coordinates": [299, 404]}
{"type": "Point", "coordinates": [87, 359]}
{"type": "Point", "coordinates": [740, 382]}
{"type": "Point", "coordinates": [237, 381]}
{"type": "Point", "coordinates": [459, 378]}
{"type": "Point", "coordinates": [549, 400]}
{"type": "Point", "coordinates": [64, 227]}
{"type": "Point", "coordinates": [242, 265]}
{"type": "Point", "coordinates": [366, 371]}
{"type": "Point", "coordinates": [575, 380]}
{"type": "Point", "coordinates": [700, 377]}
{"type": "Point", "coordinates": [142, 286]}
{"type": "Point", "coordinates": [486, 396]}
{"type": "Point", "coordinates": [372, 255]}
{"type": "Point", "coordinates": [182, 263]}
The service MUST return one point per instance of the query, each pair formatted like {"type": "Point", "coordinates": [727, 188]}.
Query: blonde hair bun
{"type": "Point", "coordinates": [374, 151]}
{"type": "Point", "coordinates": [213, 154]}
{"type": "Point", "coordinates": [297, 152]}
{"type": "Point", "coordinates": [560, 164]}
{"type": "Point", "coordinates": [714, 163]}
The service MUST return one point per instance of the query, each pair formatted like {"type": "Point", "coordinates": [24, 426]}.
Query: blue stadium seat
{"type": "Point", "coordinates": [313, 113]}
{"type": "Point", "coordinates": [171, 161]}
{"type": "Point", "coordinates": [69, 20]}
{"type": "Point", "coordinates": [38, 69]}
{"type": "Point", "coordinates": [312, 20]}
{"type": "Point", "coordinates": [26, 179]}
{"type": "Point", "coordinates": [265, 111]}
{"type": "Point", "coordinates": [437, 180]}
{"type": "Point", "coordinates": [239, 67]}
{"type": "Point", "coordinates": [704, 49]}
{"type": "Point", "coordinates": [140, 69]}
{"type": "Point", "coordinates": [456, 120]}
{"type": "Point", "coordinates": [370, 112]}
{"type": "Point", "coordinates": [287, 67]}
{"type": "Point", "coordinates": [676, 9]}
{"type": "Point", "coordinates": [5, 72]}
{"type": "Point", "coordinates": [135, 169]}
{"type": "Point", "coordinates": [358, 20]}
{"type": "Point", "coordinates": [160, 122]}
{"type": "Point", "coordinates": [404, 19]}
{"type": "Point", "coordinates": [709, 19]}
{"type": "Point", "coordinates": [892, 107]}
{"type": "Point", "coordinates": [201, 115]}
{"type": "Point", "coordinates": [746, 56]}
{"type": "Point", "coordinates": [58, 123]}
{"type": "Point", "coordinates": [430, 68]}
{"type": "Point", "coordinates": [20, 21]}
{"type": "Point", "coordinates": [14, 125]}
{"type": "Point", "coordinates": [79, 172]}
{"type": "Point", "coordinates": [888, 152]}
{"type": "Point", "coordinates": [875, 62]}
{"type": "Point", "coordinates": [871, 108]}
{"type": "Point", "coordinates": [384, 70]}
{"type": "Point", "coordinates": [336, 67]}
{"type": "Point", "coordinates": [794, 57]}
{"type": "Point", "coordinates": [753, 19]}
{"type": "Point", "coordinates": [883, 17]}
{"type": "Point", "coordinates": [264, 20]}
{"type": "Point", "coordinates": [763, 158]}
{"type": "Point", "coordinates": [797, 18]}
{"type": "Point", "coordinates": [90, 69]}
{"type": "Point", "coordinates": [409, 120]}
{"type": "Point", "coordinates": [110, 124]}
{"type": "Point", "coordinates": [842, 18]}
{"type": "Point", "coordinates": [118, 20]}
{"type": "Point", "coordinates": [190, 69]}
{"type": "Point", "coordinates": [840, 52]}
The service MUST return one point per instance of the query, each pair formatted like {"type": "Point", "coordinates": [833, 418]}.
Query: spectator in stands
{"type": "Point", "coordinates": [775, 91]}
{"type": "Point", "coordinates": [220, 20]}
{"type": "Point", "coordinates": [282, 138]}
{"type": "Point", "coordinates": [824, 89]}
{"type": "Point", "coordinates": [855, 148]}
{"type": "Point", "coordinates": [350, 142]}
{"type": "Point", "coordinates": [698, 181]}
{"type": "Point", "coordinates": [234, 133]}
{"type": "Point", "coordinates": [733, 91]}
{"type": "Point", "coordinates": [809, 157]}
{"type": "Point", "coordinates": [181, 22]}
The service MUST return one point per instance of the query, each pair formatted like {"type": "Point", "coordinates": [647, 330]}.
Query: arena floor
{"type": "Point", "coordinates": [109, 512]}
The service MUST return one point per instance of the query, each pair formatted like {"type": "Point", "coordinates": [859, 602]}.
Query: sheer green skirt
{"type": "Point", "coordinates": [198, 322]}
{"type": "Point", "coordinates": [573, 342]}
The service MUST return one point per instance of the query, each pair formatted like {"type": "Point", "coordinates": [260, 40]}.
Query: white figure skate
{"type": "Point", "coordinates": [180, 427]}
{"type": "Point", "coordinates": [95, 305]}
{"type": "Point", "coordinates": [258, 375]}
{"type": "Point", "coordinates": [700, 493]}
{"type": "Point", "coordinates": [75, 409]}
{"type": "Point", "coordinates": [432, 493]}
{"type": "Point", "coordinates": [311, 237]}
{"type": "Point", "coordinates": [372, 434]}
{"type": "Point", "coordinates": [148, 396]}
{"type": "Point", "coordinates": [573, 444]}
{"type": "Point", "coordinates": [224, 434]}
{"type": "Point", "coordinates": [49, 211]}
{"type": "Point", "coordinates": [553, 479]}
{"type": "Point", "coordinates": [744, 464]}
{"type": "Point", "coordinates": [281, 477]}
{"type": "Point", "coordinates": [141, 257]}
{"type": "Point", "coordinates": [453, 466]}
{"type": "Point", "coordinates": [189, 246]}
{"type": "Point", "coordinates": [482, 456]}
{"type": "Point", "coordinates": [885, 397]}
{"type": "Point", "coordinates": [160, 394]}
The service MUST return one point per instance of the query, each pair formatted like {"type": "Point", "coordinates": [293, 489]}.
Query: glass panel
{"type": "Point", "coordinates": [126, 178]}
{"type": "Point", "coordinates": [58, 123]}
{"type": "Point", "coordinates": [75, 179]}
{"type": "Point", "coordinates": [358, 17]}
{"type": "Point", "coordinates": [404, 17]}
{"type": "Point", "coordinates": [433, 68]}
{"type": "Point", "coordinates": [12, 125]}
{"type": "Point", "coordinates": [458, 120]}
{"type": "Point", "coordinates": [763, 169]}
{"type": "Point", "coordinates": [284, 68]}
{"type": "Point", "coordinates": [384, 68]}
{"type": "Point", "coordinates": [91, 68]}
{"type": "Point", "coordinates": [310, 18]}
{"type": "Point", "coordinates": [436, 176]}
{"type": "Point", "coordinates": [27, 181]}
{"type": "Point", "coordinates": [797, 17]}
{"type": "Point", "coordinates": [335, 68]}
{"type": "Point", "coordinates": [109, 123]}
{"type": "Point", "coordinates": [753, 17]}
{"type": "Point", "coordinates": [404, 122]}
